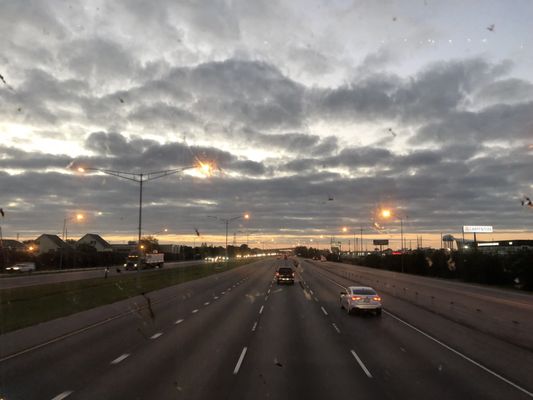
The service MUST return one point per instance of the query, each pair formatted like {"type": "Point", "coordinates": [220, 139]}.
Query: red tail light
{"type": "Point", "coordinates": [356, 298]}
{"type": "Point", "coordinates": [293, 274]}
{"type": "Point", "coordinates": [277, 273]}
{"type": "Point", "coordinates": [376, 298]}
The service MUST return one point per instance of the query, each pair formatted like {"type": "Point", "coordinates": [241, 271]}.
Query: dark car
{"type": "Point", "coordinates": [285, 275]}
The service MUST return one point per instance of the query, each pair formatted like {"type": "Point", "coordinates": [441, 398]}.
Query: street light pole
{"type": "Point", "coordinates": [401, 234]}
{"type": "Point", "coordinates": [141, 178]}
{"type": "Point", "coordinates": [226, 222]}
{"type": "Point", "coordinates": [361, 240]}
{"type": "Point", "coordinates": [140, 207]}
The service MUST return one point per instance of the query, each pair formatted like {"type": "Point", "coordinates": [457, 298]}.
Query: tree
{"type": "Point", "coordinates": [150, 243]}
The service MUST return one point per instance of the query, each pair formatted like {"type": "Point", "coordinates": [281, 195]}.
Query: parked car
{"type": "Point", "coordinates": [360, 298]}
{"type": "Point", "coordinates": [22, 267]}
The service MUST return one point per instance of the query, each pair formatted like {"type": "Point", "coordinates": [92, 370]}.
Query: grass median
{"type": "Point", "coordinates": [26, 306]}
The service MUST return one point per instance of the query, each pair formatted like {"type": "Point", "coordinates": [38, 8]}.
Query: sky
{"type": "Point", "coordinates": [316, 113]}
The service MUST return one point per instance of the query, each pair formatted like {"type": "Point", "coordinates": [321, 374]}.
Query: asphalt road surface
{"type": "Point", "coordinates": [238, 335]}
{"type": "Point", "coordinates": [9, 281]}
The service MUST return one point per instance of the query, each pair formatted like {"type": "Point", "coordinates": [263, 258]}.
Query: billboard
{"type": "Point", "coordinates": [380, 242]}
{"type": "Point", "coordinates": [477, 229]}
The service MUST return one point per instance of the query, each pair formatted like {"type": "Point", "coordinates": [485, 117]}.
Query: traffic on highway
{"type": "Point", "coordinates": [239, 334]}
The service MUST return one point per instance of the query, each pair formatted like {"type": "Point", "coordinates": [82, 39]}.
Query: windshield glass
{"type": "Point", "coordinates": [364, 291]}
{"type": "Point", "coordinates": [191, 189]}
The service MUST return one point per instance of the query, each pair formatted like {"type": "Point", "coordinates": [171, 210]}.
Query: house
{"type": "Point", "coordinates": [13, 245]}
{"type": "Point", "coordinates": [49, 243]}
{"type": "Point", "coordinates": [123, 248]}
{"type": "Point", "coordinates": [96, 241]}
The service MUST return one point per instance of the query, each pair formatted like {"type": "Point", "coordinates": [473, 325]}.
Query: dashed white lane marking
{"type": "Point", "coordinates": [310, 291]}
{"type": "Point", "coordinates": [461, 355]}
{"type": "Point", "coordinates": [156, 335]}
{"type": "Point", "coordinates": [261, 310]}
{"type": "Point", "coordinates": [266, 298]}
{"type": "Point", "coordinates": [229, 289]}
{"type": "Point", "coordinates": [239, 362]}
{"type": "Point", "coordinates": [63, 395]}
{"type": "Point", "coordinates": [366, 371]}
{"type": "Point", "coordinates": [268, 291]}
{"type": "Point", "coordinates": [206, 303]}
{"type": "Point", "coordinates": [215, 298]}
{"type": "Point", "coordinates": [121, 358]}
{"type": "Point", "coordinates": [336, 327]}
{"type": "Point", "coordinates": [324, 311]}
{"type": "Point", "coordinates": [195, 311]}
{"type": "Point", "coordinates": [255, 326]}
{"type": "Point", "coordinates": [179, 321]}
{"type": "Point", "coordinates": [315, 298]}
{"type": "Point", "coordinates": [222, 293]}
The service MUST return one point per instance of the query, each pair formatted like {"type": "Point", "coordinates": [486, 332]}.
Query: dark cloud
{"type": "Point", "coordinates": [129, 91]}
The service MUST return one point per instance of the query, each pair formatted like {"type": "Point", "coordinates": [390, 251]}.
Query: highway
{"type": "Point", "coordinates": [10, 281]}
{"type": "Point", "coordinates": [238, 335]}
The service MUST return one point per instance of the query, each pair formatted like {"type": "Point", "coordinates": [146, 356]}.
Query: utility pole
{"type": "Point", "coordinates": [361, 239]}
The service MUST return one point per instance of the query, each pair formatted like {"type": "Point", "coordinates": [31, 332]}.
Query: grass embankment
{"type": "Point", "coordinates": [26, 306]}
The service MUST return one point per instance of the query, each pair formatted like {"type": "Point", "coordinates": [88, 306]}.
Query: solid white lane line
{"type": "Point", "coordinates": [179, 321]}
{"type": "Point", "coordinates": [238, 366]}
{"type": "Point", "coordinates": [324, 310]}
{"type": "Point", "coordinates": [366, 371]}
{"type": "Point", "coordinates": [156, 335]}
{"type": "Point", "coordinates": [336, 327]}
{"type": "Point", "coordinates": [206, 303]}
{"type": "Point", "coordinates": [255, 326]}
{"type": "Point", "coordinates": [261, 310]}
{"type": "Point", "coordinates": [195, 311]}
{"type": "Point", "coordinates": [121, 358]}
{"type": "Point", "coordinates": [530, 394]}
{"type": "Point", "coordinates": [61, 396]}
{"type": "Point", "coordinates": [59, 338]}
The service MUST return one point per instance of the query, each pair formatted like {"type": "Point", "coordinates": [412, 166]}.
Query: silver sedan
{"type": "Point", "coordinates": [360, 298]}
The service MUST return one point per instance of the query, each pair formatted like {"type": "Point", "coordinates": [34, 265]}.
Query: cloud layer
{"type": "Point", "coordinates": [291, 120]}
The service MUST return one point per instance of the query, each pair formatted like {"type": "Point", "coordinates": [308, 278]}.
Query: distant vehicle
{"type": "Point", "coordinates": [22, 267]}
{"type": "Point", "coordinates": [144, 260]}
{"type": "Point", "coordinates": [285, 275]}
{"type": "Point", "coordinates": [360, 298]}
{"type": "Point", "coordinates": [322, 258]}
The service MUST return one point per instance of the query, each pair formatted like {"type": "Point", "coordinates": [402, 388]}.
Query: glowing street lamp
{"type": "Point", "coordinates": [386, 213]}
{"type": "Point", "coordinates": [227, 221]}
{"type": "Point", "coordinates": [78, 217]}
{"type": "Point", "coordinates": [205, 168]}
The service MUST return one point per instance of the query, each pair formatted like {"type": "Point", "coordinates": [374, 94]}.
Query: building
{"type": "Point", "coordinates": [169, 248]}
{"type": "Point", "coordinates": [13, 245]}
{"type": "Point", "coordinates": [123, 248]}
{"type": "Point", "coordinates": [499, 247]}
{"type": "Point", "coordinates": [96, 241]}
{"type": "Point", "coordinates": [49, 243]}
